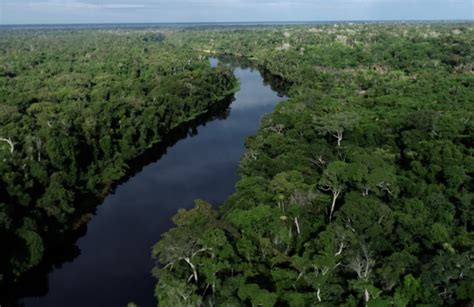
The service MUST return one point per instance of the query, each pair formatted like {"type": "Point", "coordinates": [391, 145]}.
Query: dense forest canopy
{"type": "Point", "coordinates": [356, 191]}
{"type": "Point", "coordinates": [75, 107]}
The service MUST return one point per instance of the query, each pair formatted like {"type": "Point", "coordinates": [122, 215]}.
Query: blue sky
{"type": "Point", "coordinates": [111, 11]}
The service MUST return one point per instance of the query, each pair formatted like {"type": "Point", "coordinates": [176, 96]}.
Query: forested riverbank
{"type": "Point", "coordinates": [75, 108]}
{"type": "Point", "coordinates": [357, 190]}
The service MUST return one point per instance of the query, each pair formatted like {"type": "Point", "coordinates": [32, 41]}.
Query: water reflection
{"type": "Point", "coordinates": [36, 282]}
{"type": "Point", "coordinates": [114, 263]}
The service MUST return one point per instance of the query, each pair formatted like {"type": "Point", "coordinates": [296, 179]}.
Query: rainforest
{"type": "Point", "coordinates": [354, 187]}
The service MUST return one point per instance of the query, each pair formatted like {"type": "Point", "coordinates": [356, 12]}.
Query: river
{"type": "Point", "coordinates": [114, 263]}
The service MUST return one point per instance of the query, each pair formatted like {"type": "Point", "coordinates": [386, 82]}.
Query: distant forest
{"type": "Point", "coordinates": [356, 191]}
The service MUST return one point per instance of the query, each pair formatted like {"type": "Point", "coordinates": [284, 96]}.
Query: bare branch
{"type": "Point", "coordinates": [338, 136]}
{"type": "Point", "coordinates": [301, 274]}
{"type": "Point", "coordinates": [362, 264]}
{"type": "Point", "coordinates": [195, 275]}
{"type": "Point", "coordinates": [277, 128]}
{"type": "Point", "coordinates": [341, 247]}
{"type": "Point", "coordinates": [200, 251]}
{"type": "Point", "coordinates": [169, 265]}
{"type": "Point", "coordinates": [297, 225]}
{"type": "Point", "coordinates": [367, 295]}
{"type": "Point", "coordinates": [319, 162]}
{"type": "Point", "coordinates": [335, 195]}
{"type": "Point", "coordinates": [356, 265]}
{"type": "Point", "coordinates": [385, 187]}
{"type": "Point", "coordinates": [325, 189]}
{"type": "Point", "coordinates": [302, 198]}
{"type": "Point", "coordinates": [9, 142]}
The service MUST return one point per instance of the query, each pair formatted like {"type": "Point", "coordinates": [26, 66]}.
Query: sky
{"type": "Point", "coordinates": [145, 11]}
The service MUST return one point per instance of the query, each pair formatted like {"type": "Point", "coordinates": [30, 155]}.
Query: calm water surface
{"type": "Point", "coordinates": [114, 265]}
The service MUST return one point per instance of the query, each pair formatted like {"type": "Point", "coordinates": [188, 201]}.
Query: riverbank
{"type": "Point", "coordinates": [76, 127]}
{"type": "Point", "coordinates": [115, 251]}
{"type": "Point", "coordinates": [355, 191]}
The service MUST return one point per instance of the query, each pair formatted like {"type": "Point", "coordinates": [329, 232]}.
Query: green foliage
{"type": "Point", "coordinates": [257, 296]}
{"type": "Point", "coordinates": [357, 191]}
{"type": "Point", "coordinates": [31, 251]}
{"type": "Point", "coordinates": [75, 108]}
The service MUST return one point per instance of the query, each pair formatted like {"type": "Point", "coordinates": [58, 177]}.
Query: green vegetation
{"type": "Point", "coordinates": [75, 107]}
{"type": "Point", "coordinates": [356, 191]}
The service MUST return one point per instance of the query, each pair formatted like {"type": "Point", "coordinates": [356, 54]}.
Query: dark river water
{"type": "Point", "coordinates": [114, 264]}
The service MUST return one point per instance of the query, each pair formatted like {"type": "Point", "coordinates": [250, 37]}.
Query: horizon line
{"type": "Point", "coordinates": [238, 22]}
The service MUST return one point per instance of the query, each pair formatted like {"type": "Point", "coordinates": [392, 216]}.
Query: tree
{"type": "Point", "coordinates": [334, 180]}
{"type": "Point", "coordinates": [336, 124]}
{"type": "Point", "coordinates": [183, 244]}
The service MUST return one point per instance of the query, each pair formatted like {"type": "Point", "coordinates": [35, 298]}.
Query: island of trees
{"type": "Point", "coordinates": [357, 191]}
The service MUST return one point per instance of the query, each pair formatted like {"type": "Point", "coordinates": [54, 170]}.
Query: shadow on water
{"type": "Point", "coordinates": [35, 282]}
{"type": "Point", "coordinates": [276, 83]}
{"type": "Point", "coordinates": [171, 184]}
